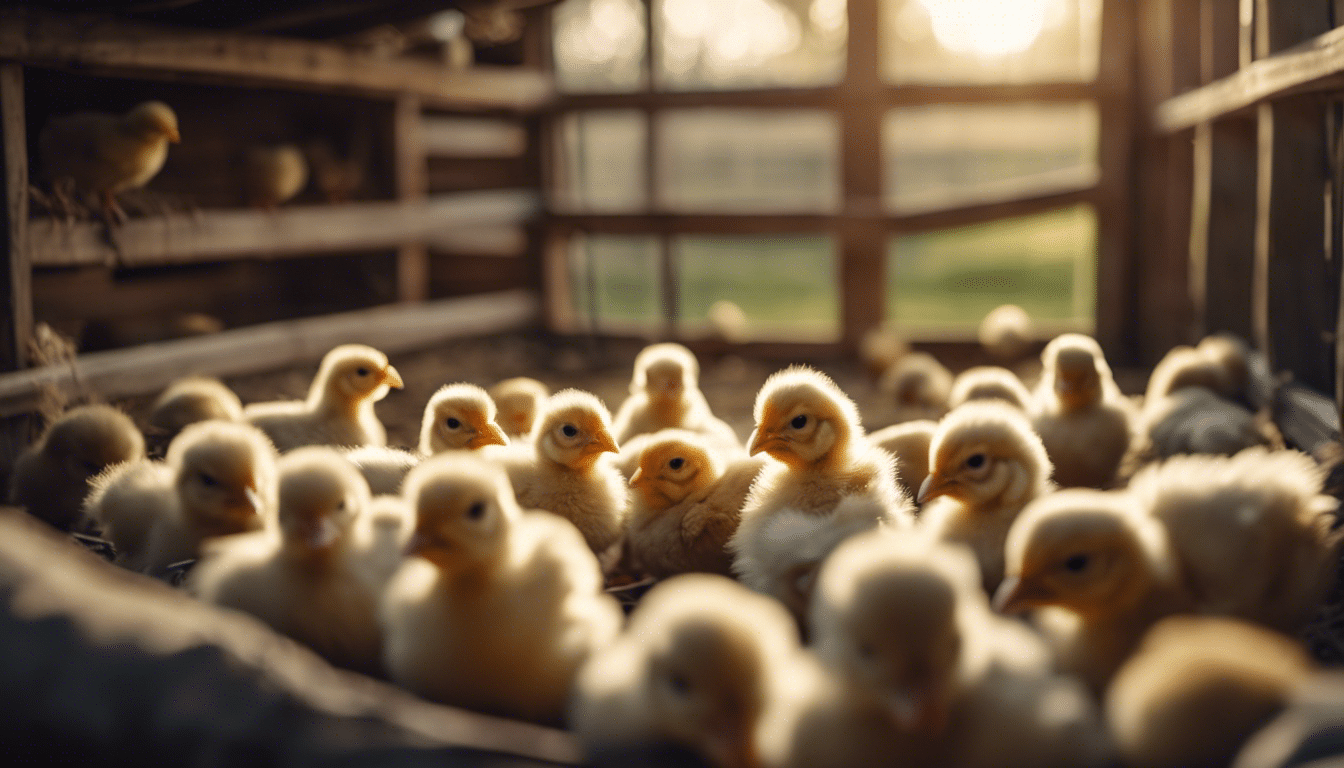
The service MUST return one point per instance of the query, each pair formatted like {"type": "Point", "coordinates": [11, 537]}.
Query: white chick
{"type": "Point", "coordinates": [187, 401]}
{"type": "Point", "coordinates": [1006, 333]}
{"type": "Point", "coordinates": [496, 609]}
{"type": "Point", "coordinates": [909, 442]}
{"type": "Point", "coordinates": [1079, 413]}
{"type": "Point", "coordinates": [459, 417]}
{"type": "Point", "coordinates": [52, 476]}
{"type": "Point", "coordinates": [560, 471]}
{"type": "Point", "coordinates": [985, 464]}
{"type": "Point", "coordinates": [519, 400]}
{"type": "Point", "coordinates": [218, 479]}
{"type": "Point", "coordinates": [665, 394]}
{"type": "Point", "coordinates": [918, 385]}
{"type": "Point", "coordinates": [702, 664]}
{"type": "Point", "coordinates": [339, 408]}
{"type": "Point", "coordinates": [307, 582]}
{"type": "Point", "coordinates": [989, 382]}
{"type": "Point", "coordinates": [686, 505]}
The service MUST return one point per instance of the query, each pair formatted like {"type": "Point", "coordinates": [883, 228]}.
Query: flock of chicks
{"type": "Point", "coordinates": [1152, 587]}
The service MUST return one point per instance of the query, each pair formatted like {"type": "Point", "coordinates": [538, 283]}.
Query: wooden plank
{"type": "Point", "coordinates": [460, 137]}
{"type": "Point", "coordinates": [1229, 240]}
{"type": "Point", "coordinates": [292, 230]}
{"type": "Point", "coordinates": [412, 185]}
{"type": "Point", "coordinates": [393, 328]}
{"type": "Point", "coordinates": [16, 302]}
{"type": "Point", "coordinates": [504, 242]}
{"type": "Point", "coordinates": [829, 98]}
{"type": "Point", "coordinates": [96, 44]}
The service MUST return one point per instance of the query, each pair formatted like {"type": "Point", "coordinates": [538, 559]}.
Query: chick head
{"type": "Point", "coordinates": [355, 373]}
{"type": "Point", "coordinates": [1186, 367]}
{"type": "Point", "coordinates": [886, 615]}
{"type": "Point", "coordinates": [1075, 368]}
{"type": "Point", "coordinates": [518, 400]}
{"type": "Point", "coordinates": [917, 380]}
{"type": "Point", "coordinates": [459, 417]}
{"type": "Point", "coordinates": [665, 371]}
{"type": "Point", "coordinates": [673, 466]}
{"type": "Point", "coordinates": [984, 451]}
{"type": "Point", "coordinates": [576, 429]}
{"type": "Point", "coordinates": [989, 382]}
{"type": "Point", "coordinates": [1091, 552]}
{"type": "Point", "coordinates": [224, 475]}
{"type": "Point", "coordinates": [191, 400]}
{"type": "Point", "coordinates": [320, 495]}
{"type": "Point", "coordinates": [153, 118]}
{"type": "Point", "coordinates": [1006, 332]}
{"type": "Point", "coordinates": [803, 419]}
{"type": "Point", "coordinates": [711, 645]}
{"type": "Point", "coordinates": [88, 439]}
{"type": "Point", "coordinates": [463, 507]}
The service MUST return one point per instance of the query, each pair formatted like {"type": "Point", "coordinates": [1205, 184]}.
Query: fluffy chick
{"type": "Point", "coordinates": [700, 665]}
{"type": "Point", "coordinates": [307, 582]}
{"type": "Point", "coordinates": [562, 472]}
{"type": "Point", "coordinates": [985, 464]}
{"type": "Point", "coordinates": [1198, 687]}
{"type": "Point", "coordinates": [218, 479]}
{"type": "Point", "coordinates": [918, 385]}
{"type": "Point", "coordinates": [686, 506]}
{"type": "Point", "coordinates": [52, 476]}
{"type": "Point", "coordinates": [459, 417]}
{"type": "Point", "coordinates": [1102, 560]}
{"type": "Point", "coordinates": [105, 154]}
{"type": "Point", "coordinates": [665, 394]}
{"type": "Point", "coordinates": [272, 174]}
{"type": "Point", "coordinates": [187, 401]}
{"type": "Point", "coordinates": [339, 408]}
{"type": "Point", "coordinates": [909, 442]}
{"type": "Point", "coordinates": [497, 608]}
{"type": "Point", "coordinates": [989, 382]}
{"type": "Point", "coordinates": [1006, 333]}
{"type": "Point", "coordinates": [1079, 413]}
{"type": "Point", "coordinates": [519, 400]}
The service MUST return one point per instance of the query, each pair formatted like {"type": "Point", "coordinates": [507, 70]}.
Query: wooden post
{"type": "Point", "coordinates": [17, 287]}
{"type": "Point", "coordinates": [1115, 328]}
{"type": "Point", "coordinates": [412, 184]}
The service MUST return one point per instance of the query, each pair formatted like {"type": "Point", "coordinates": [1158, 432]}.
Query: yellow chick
{"type": "Point", "coordinates": [686, 505]}
{"type": "Point", "coordinates": [273, 174]}
{"type": "Point", "coordinates": [665, 394]}
{"type": "Point", "coordinates": [496, 609]}
{"type": "Point", "coordinates": [306, 582]}
{"type": "Point", "coordinates": [187, 401]}
{"type": "Point", "coordinates": [218, 479]}
{"type": "Point", "coordinates": [459, 417]}
{"type": "Point", "coordinates": [701, 665]}
{"type": "Point", "coordinates": [985, 464]}
{"type": "Point", "coordinates": [105, 154]}
{"type": "Point", "coordinates": [562, 474]}
{"type": "Point", "coordinates": [880, 348]}
{"type": "Point", "coordinates": [52, 476]}
{"type": "Point", "coordinates": [1219, 364]}
{"type": "Point", "coordinates": [519, 400]}
{"type": "Point", "coordinates": [909, 442]}
{"type": "Point", "coordinates": [1006, 333]}
{"type": "Point", "coordinates": [1198, 688]}
{"type": "Point", "coordinates": [919, 386]}
{"type": "Point", "coordinates": [989, 382]}
{"type": "Point", "coordinates": [1079, 413]}
{"type": "Point", "coordinates": [1104, 561]}
{"type": "Point", "coordinates": [339, 408]}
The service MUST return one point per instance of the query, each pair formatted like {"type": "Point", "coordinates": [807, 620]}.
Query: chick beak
{"type": "Point", "coordinates": [173, 136]}
{"type": "Point", "coordinates": [391, 378]}
{"type": "Point", "coordinates": [252, 499]}
{"type": "Point", "coordinates": [914, 710]}
{"type": "Point", "coordinates": [933, 487]}
{"type": "Point", "coordinates": [637, 477]}
{"type": "Point", "coordinates": [1015, 595]}
{"type": "Point", "coordinates": [603, 442]}
{"type": "Point", "coordinates": [760, 441]}
{"type": "Point", "coordinates": [489, 434]}
{"type": "Point", "coordinates": [320, 533]}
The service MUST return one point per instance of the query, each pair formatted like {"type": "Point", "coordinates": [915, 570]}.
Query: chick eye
{"type": "Point", "coordinates": [476, 511]}
{"type": "Point", "coordinates": [1077, 563]}
{"type": "Point", "coordinates": [208, 481]}
{"type": "Point", "coordinates": [677, 463]}
{"type": "Point", "coordinates": [570, 430]}
{"type": "Point", "coordinates": [679, 684]}
{"type": "Point", "coordinates": [453, 423]}
{"type": "Point", "coordinates": [361, 371]}
{"type": "Point", "coordinates": [798, 422]}
{"type": "Point", "coordinates": [976, 461]}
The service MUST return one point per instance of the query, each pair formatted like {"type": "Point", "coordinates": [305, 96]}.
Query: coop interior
{"type": "Point", "coordinates": [1007, 250]}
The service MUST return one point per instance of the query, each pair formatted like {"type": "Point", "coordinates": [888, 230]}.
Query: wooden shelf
{"type": "Point", "coordinates": [298, 230]}
{"type": "Point", "coordinates": [98, 45]}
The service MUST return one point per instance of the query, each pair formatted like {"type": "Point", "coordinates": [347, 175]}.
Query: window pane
{"type": "Point", "coordinates": [748, 161]}
{"type": "Point", "coordinates": [732, 44]}
{"type": "Point", "coordinates": [989, 41]}
{"type": "Point", "coordinates": [940, 156]}
{"type": "Point", "coordinates": [599, 45]}
{"type": "Point", "coordinates": [614, 282]}
{"type": "Point", "coordinates": [600, 162]}
{"type": "Point", "coordinates": [949, 280]}
{"type": "Point", "coordinates": [786, 286]}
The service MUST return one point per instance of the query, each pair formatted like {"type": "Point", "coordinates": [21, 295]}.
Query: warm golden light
{"type": "Point", "coordinates": [987, 28]}
{"type": "Point", "coordinates": [727, 32]}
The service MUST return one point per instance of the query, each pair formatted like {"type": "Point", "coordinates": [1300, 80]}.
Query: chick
{"type": "Point", "coordinates": [562, 473]}
{"type": "Point", "coordinates": [306, 582]}
{"type": "Point", "coordinates": [1198, 687]}
{"type": "Point", "coordinates": [1218, 364]}
{"type": "Point", "coordinates": [919, 386]}
{"type": "Point", "coordinates": [665, 394]}
{"type": "Point", "coordinates": [701, 665]}
{"type": "Point", "coordinates": [187, 401]}
{"type": "Point", "coordinates": [459, 417]}
{"type": "Point", "coordinates": [686, 505]}
{"type": "Point", "coordinates": [53, 475]}
{"type": "Point", "coordinates": [1103, 560]}
{"type": "Point", "coordinates": [519, 400]}
{"type": "Point", "coordinates": [909, 442]}
{"type": "Point", "coordinates": [989, 382]}
{"type": "Point", "coordinates": [339, 408]}
{"type": "Point", "coordinates": [497, 608]}
{"type": "Point", "coordinates": [1079, 413]}
{"type": "Point", "coordinates": [384, 469]}
{"type": "Point", "coordinates": [104, 154]}
{"type": "Point", "coordinates": [880, 348]}
{"type": "Point", "coordinates": [218, 479]}
{"type": "Point", "coordinates": [272, 174]}
{"type": "Point", "coordinates": [1006, 333]}
{"type": "Point", "coordinates": [985, 464]}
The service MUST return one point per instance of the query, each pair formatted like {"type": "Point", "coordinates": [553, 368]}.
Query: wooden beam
{"type": "Point", "coordinates": [504, 242]}
{"type": "Point", "coordinates": [459, 137]}
{"type": "Point", "coordinates": [16, 300]}
{"type": "Point", "coordinates": [828, 98]}
{"type": "Point", "coordinates": [150, 367]}
{"type": "Point", "coordinates": [292, 230]}
{"type": "Point", "coordinates": [1224, 239]}
{"type": "Point", "coordinates": [102, 46]}
{"type": "Point", "coordinates": [412, 185]}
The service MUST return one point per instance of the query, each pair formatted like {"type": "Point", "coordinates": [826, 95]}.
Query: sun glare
{"type": "Point", "coordinates": [987, 28]}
